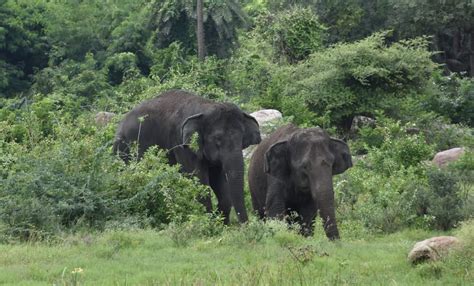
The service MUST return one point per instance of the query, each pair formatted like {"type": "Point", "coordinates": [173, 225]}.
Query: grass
{"type": "Point", "coordinates": [236, 257]}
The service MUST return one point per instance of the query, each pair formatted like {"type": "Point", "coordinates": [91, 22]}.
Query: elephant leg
{"type": "Point", "coordinates": [205, 199]}
{"type": "Point", "coordinates": [275, 204]}
{"type": "Point", "coordinates": [218, 184]}
{"type": "Point", "coordinates": [307, 213]}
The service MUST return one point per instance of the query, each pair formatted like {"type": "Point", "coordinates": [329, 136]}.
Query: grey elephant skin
{"type": "Point", "coordinates": [291, 171]}
{"type": "Point", "coordinates": [170, 120]}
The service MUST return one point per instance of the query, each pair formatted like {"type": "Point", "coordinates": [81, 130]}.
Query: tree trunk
{"type": "Point", "coordinates": [456, 44]}
{"type": "Point", "coordinates": [200, 31]}
{"type": "Point", "coordinates": [471, 54]}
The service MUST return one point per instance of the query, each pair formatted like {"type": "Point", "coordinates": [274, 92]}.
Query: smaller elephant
{"type": "Point", "coordinates": [291, 171]}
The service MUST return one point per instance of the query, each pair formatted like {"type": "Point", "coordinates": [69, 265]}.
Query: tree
{"type": "Point", "coordinates": [450, 22]}
{"type": "Point", "coordinates": [23, 44]}
{"type": "Point", "coordinates": [200, 30]}
{"type": "Point", "coordinates": [176, 20]}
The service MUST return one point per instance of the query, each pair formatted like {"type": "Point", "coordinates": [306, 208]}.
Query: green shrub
{"type": "Point", "coordinates": [293, 107]}
{"type": "Point", "coordinates": [381, 189]}
{"type": "Point", "coordinates": [461, 257]}
{"type": "Point", "coordinates": [250, 69]}
{"type": "Point", "coordinates": [444, 203]}
{"type": "Point", "coordinates": [358, 78]}
{"type": "Point", "coordinates": [293, 33]}
{"type": "Point", "coordinates": [390, 188]}
{"type": "Point", "coordinates": [455, 99]}
{"type": "Point", "coordinates": [121, 66]}
{"type": "Point", "coordinates": [382, 203]}
{"type": "Point", "coordinates": [168, 61]}
{"type": "Point", "coordinates": [398, 149]}
{"type": "Point", "coordinates": [449, 196]}
{"type": "Point", "coordinates": [76, 84]}
{"type": "Point", "coordinates": [442, 134]}
{"type": "Point", "coordinates": [73, 181]}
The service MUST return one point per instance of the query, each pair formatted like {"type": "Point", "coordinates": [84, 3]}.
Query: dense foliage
{"type": "Point", "coordinates": [319, 62]}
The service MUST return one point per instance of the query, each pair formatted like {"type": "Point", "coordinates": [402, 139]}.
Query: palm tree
{"type": "Point", "coordinates": [177, 20]}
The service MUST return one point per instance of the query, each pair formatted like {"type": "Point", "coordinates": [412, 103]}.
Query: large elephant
{"type": "Point", "coordinates": [170, 121]}
{"type": "Point", "coordinates": [291, 171]}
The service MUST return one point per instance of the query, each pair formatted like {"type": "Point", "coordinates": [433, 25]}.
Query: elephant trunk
{"type": "Point", "coordinates": [234, 170]}
{"type": "Point", "coordinates": [323, 194]}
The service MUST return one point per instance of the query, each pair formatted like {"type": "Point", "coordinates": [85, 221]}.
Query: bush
{"type": "Point", "coordinates": [398, 149]}
{"type": "Point", "coordinates": [391, 188]}
{"type": "Point", "coordinates": [293, 33]}
{"type": "Point", "coordinates": [380, 189]}
{"type": "Point", "coordinates": [121, 66]}
{"type": "Point", "coordinates": [358, 78]}
{"type": "Point", "coordinates": [455, 99]}
{"type": "Point", "coordinates": [382, 203]}
{"type": "Point", "coordinates": [167, 61]}
{"type": "Point", "coordinates": [449, 197]}
{"type": "Point", "coordinates": [250, 69]}
{"type": "Point", "coordinates": [293, 107]}
{"type": "Point", "coordinates": [73, 181]}
{"type": "Point", "coordinates": [444, 203]}
{"type": "Point", "coordinates": [443, 135]}
{"type": "Point", "coordinates": [80, 82]}
{"type": "Point", "coordinates": [462, 256]}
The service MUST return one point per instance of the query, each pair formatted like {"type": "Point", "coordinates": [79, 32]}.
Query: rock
{"type": "Point", "coordinates": [432, 249]}
{"type": "Point", "coordinates": [264, 116]}
{"type": "Point", "coordinates": [444, 157]}
{"type": "Point", "coordinates": [360, 121]}
{"type": "Point", "coordinates": [103, 118]}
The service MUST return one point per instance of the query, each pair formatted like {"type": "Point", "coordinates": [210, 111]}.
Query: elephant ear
{"type": "Point", "coordinates": [342, 156]}
{"type": "Point", "coordinates": [190, 126]}
{"type": "Point", "coordinates": [276, 159]}
{"type": "Point", "coordinates": [251, 134]}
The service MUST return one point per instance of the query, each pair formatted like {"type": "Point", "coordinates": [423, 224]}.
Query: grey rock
{"type": "Point", "coordinates": [265, 116]}
{"type": "Point", "coordinates": [432, 249]}
{"type": "Point", "coordinates": [103, 118]}
{"type": "Point", "coordinates": [445, 157]}
{"type": "Point", "coordinates": [268, 120]}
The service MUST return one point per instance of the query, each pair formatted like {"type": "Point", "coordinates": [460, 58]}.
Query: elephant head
{"type": "Point", "coordinates": [307, 160]}
{"type": "Point", "coordinates": [223, 131]}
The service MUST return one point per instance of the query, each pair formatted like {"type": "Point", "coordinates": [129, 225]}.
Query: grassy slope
{"type": "Point", "coordinates": [150, 258]}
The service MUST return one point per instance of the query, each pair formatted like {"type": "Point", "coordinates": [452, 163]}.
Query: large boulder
{"type": "Point", "coordinates": [432, 249]}
{"type": "Point", "coordinates": [445, 157]}
{"type": "Point", "coordinates": [265, 116]}
{"type": "Point", "coordinates": [103, 118]}
{"type": "Point", "coordinates": [268, 120]}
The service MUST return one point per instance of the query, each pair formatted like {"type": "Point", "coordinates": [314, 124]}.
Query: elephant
{"type": "Point", "coordinates": [291, 171]}
{"type": "Point", "coordinates": [170, 121]}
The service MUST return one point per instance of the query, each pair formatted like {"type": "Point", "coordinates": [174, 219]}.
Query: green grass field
{"type": "Point", "coordinates": [147, 257]}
